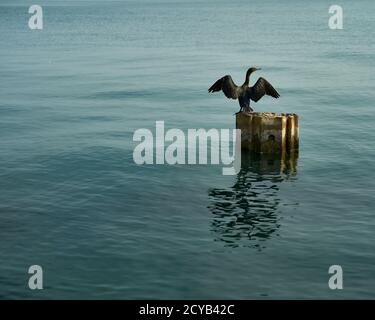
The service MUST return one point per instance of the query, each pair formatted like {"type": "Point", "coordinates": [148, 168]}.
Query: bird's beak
{"type": "Point", "coordinates": [259, 68]}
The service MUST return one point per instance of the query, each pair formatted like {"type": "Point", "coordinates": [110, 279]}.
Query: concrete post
{"type": "Point", "coordinates": [268, 133]}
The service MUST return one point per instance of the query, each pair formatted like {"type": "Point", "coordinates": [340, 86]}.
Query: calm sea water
{"type": "Point", "coordinates": [73, 201]}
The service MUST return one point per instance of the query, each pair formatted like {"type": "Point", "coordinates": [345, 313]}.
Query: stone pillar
{"type": "Point", "coordinates": [268, 133]}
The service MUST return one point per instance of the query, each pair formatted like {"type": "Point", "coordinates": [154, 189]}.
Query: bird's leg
{"type": "Point", "coordinates": [238, 111]}
{"type": "Point", "coordinates": [250, 109]}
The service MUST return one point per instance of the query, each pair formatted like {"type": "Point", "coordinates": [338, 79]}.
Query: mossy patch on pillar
{"type": "Point", "coordinates": [269, 133]}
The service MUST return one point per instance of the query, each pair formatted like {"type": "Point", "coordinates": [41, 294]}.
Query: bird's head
{"type": "Point", "coordinates": [253, 69]}
{"type": "Point", "coordinates": [248, 73]}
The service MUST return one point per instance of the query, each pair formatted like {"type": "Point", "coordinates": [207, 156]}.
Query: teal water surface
{"type": "Point", "coordinates": [73, 201]}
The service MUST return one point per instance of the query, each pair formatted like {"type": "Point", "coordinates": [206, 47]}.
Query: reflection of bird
{"type": "Point", "coordinates": [249, 209]}
{"type": "Point", "coordinates": [244, 93]}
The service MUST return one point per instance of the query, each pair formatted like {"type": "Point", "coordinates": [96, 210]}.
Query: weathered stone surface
{"type": "Point", "coordinates": [268, 133]}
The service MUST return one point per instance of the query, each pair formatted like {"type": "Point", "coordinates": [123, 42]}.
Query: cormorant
{"type": "Point", "coordinates": [244, 93]}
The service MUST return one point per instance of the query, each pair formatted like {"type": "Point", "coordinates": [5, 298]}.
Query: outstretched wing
{"type": "Point", "coordinates": [261, 88]}
{"type": "Point", "coordinates": [227, 85]}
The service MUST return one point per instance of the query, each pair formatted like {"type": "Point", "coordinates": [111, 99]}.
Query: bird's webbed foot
{"type": "Point", "coordinates": [248, 109]}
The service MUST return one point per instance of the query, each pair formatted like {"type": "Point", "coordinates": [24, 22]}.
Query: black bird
{"type": "Point", "coordinates": [244, 93]}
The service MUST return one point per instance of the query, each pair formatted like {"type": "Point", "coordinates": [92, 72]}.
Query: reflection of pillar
{"type": "Point", "coordinates": [269, 133]}
{"type": "Point", "coordinates": [271, 163]}
{"type": "Point", "coordinates": [247, 213]}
